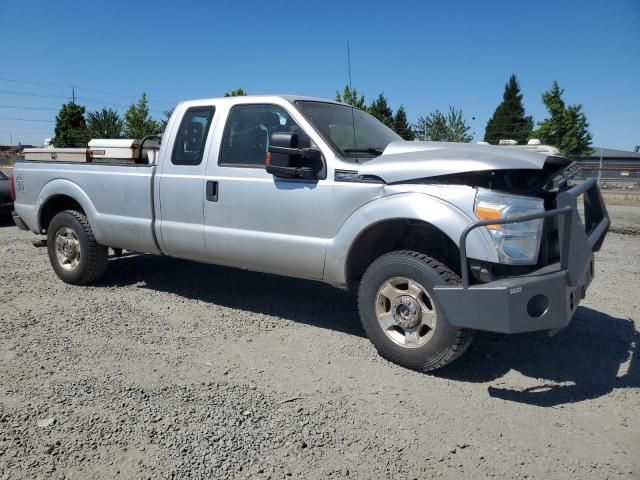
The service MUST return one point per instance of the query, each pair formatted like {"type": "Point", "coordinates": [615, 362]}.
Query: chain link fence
{"type": "Point", "coordinates": [610, 175]}
{"type": "Point", "coordinates": [7, 160]}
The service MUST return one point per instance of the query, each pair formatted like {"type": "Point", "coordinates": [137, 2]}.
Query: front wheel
{"type": "Point", "coordinates": [75, 255]}
{"type": "Point", "coordinates": [400, 315]}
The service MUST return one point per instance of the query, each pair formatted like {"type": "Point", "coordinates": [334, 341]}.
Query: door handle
{"type": "Point", "coordinates": [212, 191]}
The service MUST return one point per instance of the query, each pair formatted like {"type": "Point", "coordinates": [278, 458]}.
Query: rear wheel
{"type": "Point", "coordinates": [75, 255]}
{"type": "Point", "coordinates": [401, 316]}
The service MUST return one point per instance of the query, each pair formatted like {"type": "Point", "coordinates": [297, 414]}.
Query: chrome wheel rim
{"type": "Point", "coordinates": [406, 313]}
{"type": "Point", "coordinates": [67, 248]}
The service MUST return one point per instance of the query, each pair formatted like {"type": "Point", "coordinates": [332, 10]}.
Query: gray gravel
{"type": "Point", "coordinates": [625, 218]}
{"type": "Point", "coordinates": [172, 369]}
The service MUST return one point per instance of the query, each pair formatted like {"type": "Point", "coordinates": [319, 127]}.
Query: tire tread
{"type": "Point", "coordinates": [97, 254]}
{"type": "Point", "coordinates": [463, 336]}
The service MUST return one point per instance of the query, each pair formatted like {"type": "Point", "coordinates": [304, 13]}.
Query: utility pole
{"type": "Point", "coordinates": [600, 168]}
{"type": "Point", "coordinates": [11, 139]}
{"type": "Point", "coordinates": [73, 95]}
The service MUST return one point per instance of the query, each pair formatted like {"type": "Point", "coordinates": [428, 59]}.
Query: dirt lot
{"type": "Point", "coordinates": [171, 369]}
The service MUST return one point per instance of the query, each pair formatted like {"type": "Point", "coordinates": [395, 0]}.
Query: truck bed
{"type": "Point", "coordinates": [119, 208]}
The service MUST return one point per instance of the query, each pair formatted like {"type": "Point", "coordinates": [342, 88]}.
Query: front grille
{"type": "Point", "coordinates": [550, 243]}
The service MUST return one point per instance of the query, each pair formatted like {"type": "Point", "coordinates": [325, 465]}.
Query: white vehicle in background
{"type": "Point", "coordinates": [440, 239]}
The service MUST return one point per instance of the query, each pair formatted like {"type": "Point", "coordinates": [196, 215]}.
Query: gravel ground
{"type": "Point", "coordinates": [625, 218]}
{"type": "Point", "coordinates": [172, 369]}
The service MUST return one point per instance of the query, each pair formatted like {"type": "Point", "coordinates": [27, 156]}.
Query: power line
{"type": "Point", "coordinates": [104, 92]}
{"type": "Point", "coordinates": [27, 120]}
{"type": "Point", "coordinates": [83, 99]}
{"type": "Point", "coordinates": [33, 83]}
{"type": "Point", "coordinates": [30, 94]}
{"type": "Point", "coordinates": [29, 108]}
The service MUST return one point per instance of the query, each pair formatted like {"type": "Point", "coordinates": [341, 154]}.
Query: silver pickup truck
{"type": "Point", "coordinates": [440, 239]}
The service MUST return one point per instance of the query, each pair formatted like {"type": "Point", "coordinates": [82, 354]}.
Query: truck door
{"type": "Point", "coordinates": [180, 186]}
{"type": "Point", "coordinates": [254, 220]}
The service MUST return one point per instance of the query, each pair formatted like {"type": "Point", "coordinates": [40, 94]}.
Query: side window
{"type": "Point", "coordinates": [247, 133]}
{"type": "Point", "coordinates": [192, 136]}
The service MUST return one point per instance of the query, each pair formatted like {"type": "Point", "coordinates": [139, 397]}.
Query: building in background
{"type": "Point", "coordinates": [613, 168]}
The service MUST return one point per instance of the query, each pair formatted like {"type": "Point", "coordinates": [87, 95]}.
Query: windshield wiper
{"type": "Point", "coordinates": [374, 150]}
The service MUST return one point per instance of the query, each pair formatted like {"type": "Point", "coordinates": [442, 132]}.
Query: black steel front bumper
{"type": "Point", "coordinates": [545, 299]}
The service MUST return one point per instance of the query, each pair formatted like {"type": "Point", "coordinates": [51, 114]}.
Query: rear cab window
{"type": "Point", "coordinates": [192, 136]}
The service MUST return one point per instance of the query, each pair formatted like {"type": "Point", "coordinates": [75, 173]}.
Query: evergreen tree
{"type": "Point", "coordinates": [167, 115]}
{"type": "Point", "coordinates": [380, 109]}
{"type": "Point", "coordinates": [401, 125]}
{"type": "Point", "coordinates": [350, 97]}
{"type": "Point", "coordinates": [105, 123]}
{"type": "Point", "coordinates": [567, 127]}
{"type": "Point", "coordinates": [238, 92]}
{"type": "Point", "coordinates": [508, 120]}
{"type": "Point", "coordinates": [137, 122]}
{"type": "Point", "coordinates": [438, 127]}
{"type": "Point", "coordinates": [71, 128]}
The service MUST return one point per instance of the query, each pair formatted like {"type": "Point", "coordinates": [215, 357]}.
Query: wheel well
{"type": "Point", "coordinates": [400, 234]}
{"type": "Point", "coordinates": [55, 205]}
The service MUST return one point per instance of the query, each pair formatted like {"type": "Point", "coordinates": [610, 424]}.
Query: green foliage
{"type": "Point", "coordinates": [137, 122]}
{"type": "Point", "coordinates": [167, 115]}
{"type": "Point", "coordinates": [71, 128]}
{"type": "Point", "coordinates": [380, 109]}
{"type": "Point", "coordinates": [401, 125]}
{"type": "Point", "coordinates": [238, 92]}
{"type": "Point", "coordinates": [508, 120]}
{"type": "Point", "coordinates": [350, 97]}
{"type": "Point", "coordinates": [437, 126]}
{"type": "Point", "coordinates": [105, 123]}
{"type": "Point", "coordinates": [566, 128]}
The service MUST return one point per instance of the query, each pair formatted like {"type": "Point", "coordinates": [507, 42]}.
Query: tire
{"type": "Point", "coordinates": [402, 319]}
{"type": "Point", "coordinates": [76, 258]}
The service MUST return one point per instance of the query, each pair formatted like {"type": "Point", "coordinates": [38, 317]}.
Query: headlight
{"type": "Point", "coordinates": [517, 243]}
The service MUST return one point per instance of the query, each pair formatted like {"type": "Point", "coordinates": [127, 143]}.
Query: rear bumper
{"type": "Point", "coordinates": [545, 299]}
{"type": "Point", "coordinates": [19, 222]}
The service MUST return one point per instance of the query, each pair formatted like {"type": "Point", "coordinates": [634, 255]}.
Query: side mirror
{"type": "Point", "coordinates": [284, 159]}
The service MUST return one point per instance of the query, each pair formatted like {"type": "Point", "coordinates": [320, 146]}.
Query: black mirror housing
{"type": "Point", "coordinates": [286, 160]}
{"type": "Point", "coordinates": [282, 140]}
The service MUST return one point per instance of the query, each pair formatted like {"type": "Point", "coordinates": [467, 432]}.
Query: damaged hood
{"type": "Point", "coordinates": [403, 161]}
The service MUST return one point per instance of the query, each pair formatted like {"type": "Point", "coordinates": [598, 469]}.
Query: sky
{"type": "Point", "coordinates": [425, 55]}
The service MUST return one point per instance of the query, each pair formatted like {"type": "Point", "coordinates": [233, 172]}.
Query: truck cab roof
{"type": "Point", "coordinates": [254, 99]}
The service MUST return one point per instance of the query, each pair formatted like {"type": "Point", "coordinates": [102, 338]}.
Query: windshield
{"type": "Point", "coordinates": [355, 133]}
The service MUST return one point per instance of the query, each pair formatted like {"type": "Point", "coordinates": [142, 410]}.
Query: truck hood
{"type": "Point", "coordinates": [403, 161]}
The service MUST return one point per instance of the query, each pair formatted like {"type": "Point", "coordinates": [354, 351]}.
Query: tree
{"type": "Point", "coordinates": [401, 125]}
{"type": "Point", "coordinates": [508, 120]}
{"type": "Point", "coordinates": [167, 115]}
{"type": "Point", "coordinates": [137, 122]}
{"type": "Point", "coordinates": [567, 127]}
{"type": "Point", "coordinates": [350, 97]}
{"type": "Point", "coordinates": [439, 127]}
{"type": "Point", "coordinates": [105, 123]}
{"type": "Point", "coordinates": [71, 128]}
{"type": "Point", "coordinates": [238, 92]}
{"type": "Point", "coordinates": [380, 109]}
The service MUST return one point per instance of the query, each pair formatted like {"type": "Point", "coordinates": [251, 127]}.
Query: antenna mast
{"type": "Point", "coordinates": [353, 116]}
{"type": "Point", "coordinates": [349, 65]}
